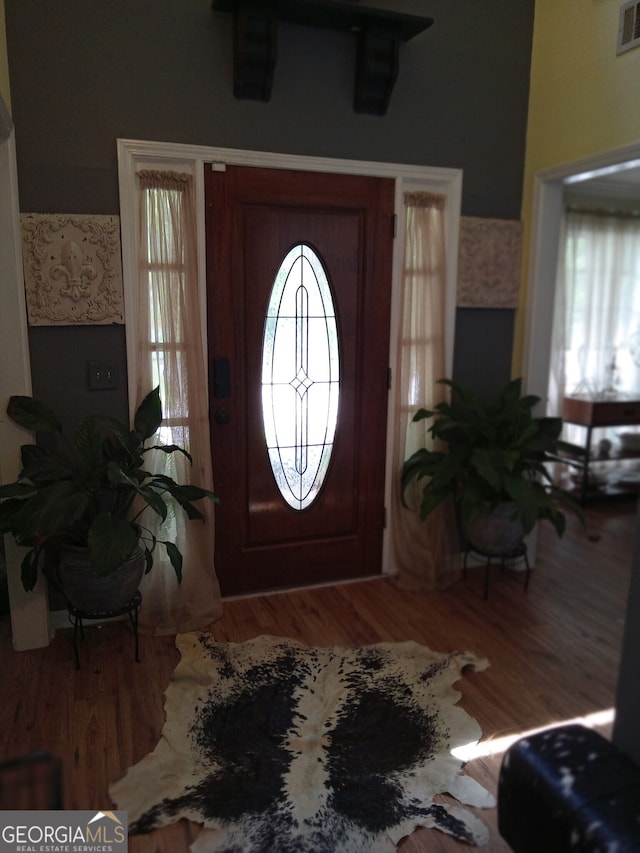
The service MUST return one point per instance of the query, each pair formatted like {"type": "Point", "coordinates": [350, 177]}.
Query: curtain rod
{"type": "Point", "coordinates": [601, 211]}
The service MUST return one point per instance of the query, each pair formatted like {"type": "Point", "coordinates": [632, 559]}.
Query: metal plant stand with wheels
{"type": "Point", "coordinates": [500, 557]}
{"type": "Point", "coordinates": [131, 608]}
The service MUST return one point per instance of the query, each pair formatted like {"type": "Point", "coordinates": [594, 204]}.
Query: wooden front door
{"type": "Point", "coordinates": [299, 285]}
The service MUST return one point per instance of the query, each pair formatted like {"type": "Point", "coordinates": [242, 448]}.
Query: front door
{"type": "Point", "coordinates": [299, 287]}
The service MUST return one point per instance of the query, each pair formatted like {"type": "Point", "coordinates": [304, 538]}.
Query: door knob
{"type": "Point", "coordinates": [221, 417]}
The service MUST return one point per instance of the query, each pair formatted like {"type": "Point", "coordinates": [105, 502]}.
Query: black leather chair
{"type": "Point", "coordinates": [568, 789]}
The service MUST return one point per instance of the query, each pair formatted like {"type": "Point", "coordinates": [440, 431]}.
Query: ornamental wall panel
{"type": "Point", "coordinates": [72, 269]}
{"type": "Point", "coordinates": [489, 263]}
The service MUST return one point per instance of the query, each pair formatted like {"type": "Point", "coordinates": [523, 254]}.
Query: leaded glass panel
{"type": "Point", "coordinates": [300, 376]}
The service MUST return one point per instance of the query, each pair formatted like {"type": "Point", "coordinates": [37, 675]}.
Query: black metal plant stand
{"type": "Point", "coordinates": [131, 609]}
{"type": "Point", "coordinates": [501, 558]}
{"type": "Point", "coordinates": [31, 782]}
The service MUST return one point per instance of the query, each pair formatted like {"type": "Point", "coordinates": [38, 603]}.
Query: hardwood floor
{"type": "Point", "coordinates": [553, 652]}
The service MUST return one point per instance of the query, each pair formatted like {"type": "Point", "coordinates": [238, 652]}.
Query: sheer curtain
{"type": "Point", "coordinates": [171, 355]}
{"type": "Point", "coordinates": [596, 332]}
{"type": "Point", "coordinates": [422, 550]}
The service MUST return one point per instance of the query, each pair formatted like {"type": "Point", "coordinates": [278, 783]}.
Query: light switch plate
{"type": "Point", "coordinates": [103, 375]}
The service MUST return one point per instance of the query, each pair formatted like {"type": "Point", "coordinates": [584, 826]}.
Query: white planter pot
{"type": "Point", "coordinates": [86, 591]}
{"type": "Point", "coordinates": [496, 532]}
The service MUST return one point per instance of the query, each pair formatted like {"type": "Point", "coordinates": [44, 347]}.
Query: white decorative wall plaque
{"type": "Point", "coordinates": [72, 269]}
{"type": "Point", "coordinates": [489, 263]}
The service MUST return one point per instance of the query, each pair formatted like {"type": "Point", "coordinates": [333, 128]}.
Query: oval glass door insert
{"type": "Point", "coordinates": [300, 376]}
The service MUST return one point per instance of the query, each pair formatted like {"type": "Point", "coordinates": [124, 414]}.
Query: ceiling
{"type": "Point", "coordinates": [623, 183]}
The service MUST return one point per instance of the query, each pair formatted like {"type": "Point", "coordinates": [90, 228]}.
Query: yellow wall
{"type": "Point", "coordinates": [4, 65]}
{"type": "Point", "coordinates": [584, 100]}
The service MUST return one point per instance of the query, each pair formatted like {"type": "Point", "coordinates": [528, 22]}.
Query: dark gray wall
{"type": "Point", "coordinates": [85, 72]}
{"type": "Point", "coordinates": [482, 357]}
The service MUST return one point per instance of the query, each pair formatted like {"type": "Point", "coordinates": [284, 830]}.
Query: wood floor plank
{"type": "Point", "coordinates": [553, 656]}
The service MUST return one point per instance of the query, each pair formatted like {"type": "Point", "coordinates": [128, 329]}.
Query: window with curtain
{"type": "Point", "coordinates": [598, 305]}
{"type": "Point", "coordinates": [163, 273]}
{"type": "Point", "coordinates": [171, 355]}
{"type": "Point", "coordinates": [422, 549]}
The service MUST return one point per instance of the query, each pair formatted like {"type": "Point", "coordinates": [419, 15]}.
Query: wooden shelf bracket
{"type": "Point", "coordinates": [379, 30]}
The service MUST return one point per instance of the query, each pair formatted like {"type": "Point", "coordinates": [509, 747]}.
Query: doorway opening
{"type": "Point", "coordinates": [614, 171]}
{"type": "Point", "coordinates": [612, 180]}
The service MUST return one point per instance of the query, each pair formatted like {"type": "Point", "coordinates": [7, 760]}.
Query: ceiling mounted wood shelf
{"type": "Point", "coordinates": [379, 30]}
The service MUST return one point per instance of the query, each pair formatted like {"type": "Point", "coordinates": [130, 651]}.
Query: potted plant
{"type": "Point", "coordinates": [491, 459]}
{"type": "Point", "coordinates": [84, 501]}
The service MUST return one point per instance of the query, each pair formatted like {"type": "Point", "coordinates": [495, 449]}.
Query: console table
{"type": "Point", "coordinates": [590, 413]}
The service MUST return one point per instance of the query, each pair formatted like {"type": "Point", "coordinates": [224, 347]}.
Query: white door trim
{"type": "Point", "coordinates": [29, 610]}
{"type": "Point", "coordinates": [134, 154]}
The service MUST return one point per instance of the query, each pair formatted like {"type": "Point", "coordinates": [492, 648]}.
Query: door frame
{"type": "Point", "coordinates": [29, 610]}
{"type": "Point", "coordinates": [136, 154]}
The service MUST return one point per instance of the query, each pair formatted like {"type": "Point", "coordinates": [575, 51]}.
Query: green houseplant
{"type": "Point", "coordinates": [491, 454]}
{"type": "Point", "coordinates": [91, 493]}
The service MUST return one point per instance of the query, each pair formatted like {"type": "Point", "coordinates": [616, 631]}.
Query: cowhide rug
{"type": "Point", "coordinates": [277, 746]}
